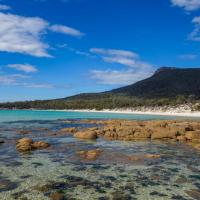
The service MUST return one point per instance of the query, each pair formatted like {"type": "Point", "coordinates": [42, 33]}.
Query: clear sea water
{"type": "Point", "coordinates": [20, 115]}
{"type": "Point", "coordinates": [112, 176]}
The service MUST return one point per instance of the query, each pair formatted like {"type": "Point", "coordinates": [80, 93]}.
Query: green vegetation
{"type": "Point", "coordinates": [167, 87]}
{"type": "Point", "coordinates": [108, 102]}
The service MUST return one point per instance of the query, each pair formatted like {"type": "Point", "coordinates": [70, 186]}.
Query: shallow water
{"type": "Point", "coordinates": [176, 175]}
{"type": "Point", "coordinates": [26, 115]}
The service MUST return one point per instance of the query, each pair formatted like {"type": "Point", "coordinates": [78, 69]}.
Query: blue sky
{"type": "Point", "coordinates": [57, 48]}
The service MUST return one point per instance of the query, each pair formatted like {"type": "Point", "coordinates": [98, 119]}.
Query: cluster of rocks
{"type": "Point", "coordinates": [142, 130]}
{"type": "Point", "coordinates": [27, 144]}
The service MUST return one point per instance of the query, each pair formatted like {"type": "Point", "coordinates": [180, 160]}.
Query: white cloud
{"type": "Point", "coordinates": [20, 34]}
{"type": "Point", "coordinates": [123, 57]}
{"type": "Point", "coordinates": [11, 79]}
{"type": "Point", "coordinates": [114, 52]}
{"type": "Point", "coordinates": [188, 5]}
{"type": "Point", "coordinates": [66, 30]}
{"type": "Point", "coordinates": [24, 67]}
{"type": "Point", "coordinates": [196, 20]}
{"type": "Point", "coordinates": [4, 7]}
{"type": "Point", "coordinates": [187, 56]}
{"type": "Point", "coordinates": [126, 61]}
{"type": "Point", "coordinates": [37, 85]}
{"type": "Point", "coordinates": [6, 80]}
{"type": "Point", "coordinates": [195, 34]}
{"type": "Point", "coordinates": [137, 69]}
{"type": "Point", "coordinates": [119, 77]}
{"type": "Point", "coordinates": [21, 81]}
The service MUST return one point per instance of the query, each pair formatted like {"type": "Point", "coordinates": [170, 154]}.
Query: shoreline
{"type": "Point", "coordinates": [156, 112]}
{"type": "Point", "coordinates": [129, 111]}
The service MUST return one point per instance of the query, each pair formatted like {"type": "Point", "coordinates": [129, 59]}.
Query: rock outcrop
{"type": "Point", "coordinates": [127, 130]}
{"type": "Point", "coordinates": [27, 144]}
{"type": "Point", "coordinates": [86, 134]}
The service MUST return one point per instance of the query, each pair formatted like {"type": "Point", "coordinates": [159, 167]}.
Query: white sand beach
{"type": "Point", "coordinates": [182, 111]}
{"type": "Point", "coordinates": [166, 113]}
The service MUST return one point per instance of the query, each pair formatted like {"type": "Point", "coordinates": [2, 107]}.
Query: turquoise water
{"type": "Point", "coordinates": [21, 115]}
{"type": "Point", "coordinates": [112, 176]}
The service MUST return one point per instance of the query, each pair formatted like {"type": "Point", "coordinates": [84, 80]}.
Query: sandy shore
{"type": "Point", "coordinates": [148, 112]}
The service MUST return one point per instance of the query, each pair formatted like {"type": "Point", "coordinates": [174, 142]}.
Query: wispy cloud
{"type": "Point", "coordinates": [11, 79]}
{"type": "Point", "coordinates": [114, 52]}
{"type": "Point", "coordinates": [22, 81]}
{"type": "Point", "coordinates": [191, 5]}
{"type": "Point", "coordinates": [187, 56]}
{"type": "Point", "coordinates": [188, 5]}
{"type": "Point", "coordinates": [66, 30]}
{"type": "Point", "coordinates": [24, 35]}
{"type": "Point", "coordinates": [24, 67]}
{"type": "Point", "coordinates": [37, 85]}
{"type": "Point", "coordinates": [80, 52]}
{"type": "Point", "coordinates": [137, 69]}
{"type": "Point", "coordinates": [123, 57]}
{"type": "Point", "coordinates": [120, 77]}
{"type": "Point", "coordinates": [195, 34]}
{"type": "Point", "coordinates": [4, 7]}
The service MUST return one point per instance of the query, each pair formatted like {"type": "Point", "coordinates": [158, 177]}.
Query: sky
{"type": "Point", "coordinates": [57, 48]}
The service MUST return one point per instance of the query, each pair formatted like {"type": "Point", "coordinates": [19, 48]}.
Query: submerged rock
{"type": "Point", "coordinates": [40, 145]}
{"type": "Point", "coordinates": [91, 154]}
{"type": "Point", "coordinates": [134, 158]}
{"type": "Point", "coordinates": [42, 129]}
{"type": "Point", "coordinates": [2, 141]}
{"type": "Point", "coordinates": [69, 130]}
{"type": "Point", "coordinates": [57, 196]}
{"type": "Point", "coordinates": [7, 185]}
{"type": "Point", "coordinates": [195, 194]}
{"type": "Point", "coordinates": [44, 188]}
{"type": "Point", "coordinates": [24, 132]}
{"type": "Point", "coordinates": [152, 156]}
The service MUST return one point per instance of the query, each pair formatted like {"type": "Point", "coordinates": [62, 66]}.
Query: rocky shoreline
{"type": "Point", "coordinates": [172, 130]}
{"type": "Point", "coordinates": [125, 130]}
{"type": "Point", "coordinates": [90, 156]}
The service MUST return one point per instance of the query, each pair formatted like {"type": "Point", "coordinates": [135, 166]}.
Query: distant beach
{"type": "Point", "coordinates": [177, 112]}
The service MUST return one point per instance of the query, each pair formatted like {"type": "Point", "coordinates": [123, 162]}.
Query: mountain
{"type": "Point", "coordinates": [166, 82]}
{"type": "Point", "coordinates": [168, 85]}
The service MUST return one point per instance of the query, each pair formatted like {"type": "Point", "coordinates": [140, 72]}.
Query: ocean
{"type": "Point", "coordinates": [26, 115]}
{"type": "Point", "coordinates": [59, 172]}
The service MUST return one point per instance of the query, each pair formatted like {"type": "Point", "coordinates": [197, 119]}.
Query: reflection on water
{"type": "Point", "coordinates": [59, 173]}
